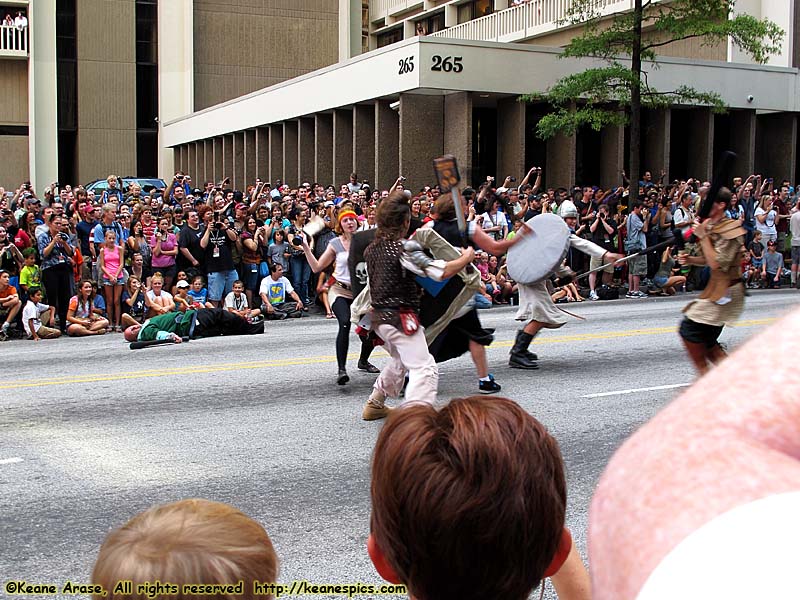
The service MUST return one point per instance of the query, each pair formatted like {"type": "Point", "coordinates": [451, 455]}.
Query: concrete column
{"type": "Point", "coordinates": [612, 157]}
{"type": "Point", "coordinates": [387, 145]}
{"type": "Point", "coordinates": [349, 29]}
{"type": "Point", "coordinates": [191, 163]}
{"type": "Point", "coordinates": [743, 141]}
{"type": "Point", "coordinates": [458, 131]}
{"type": "Point", "coordinates": [275, 152]}
{"type": "Point", "coordinates": [42, 98]}
{"type": "Point", "coordinates": [249, 158]}
{"type": "Point", "coordinates": [561, 157]}
{"type": "Point", "coordinates": [701, 144]}
{"type": "Point", "coordinates": [208, 161]}
{"type": "Point", "coordinates": [511, 141]}
{"type": "Point", "coordinates": [237, 178]}
{"type": "Point", "coordinates": [219, 163]}
{"type": "Point", "coordinates": [198, 175]}
{"type": "Point", "coordinates": [421, 137]}
{"type": "Point", "coordinates": [262, 153]}
{"type": "Point", "coordinates": [450, 15]}
{"type": "Point", "coordinates": [175, 69]}
{"type": "Point", "coordinates": [363, 160]}
{"type": "Point", "coordinates": [227, 157]}
{"type": "Point", "coordinates": [323, 148]}
{"type": "Point", "coordinates": [343, 146]}
{"type": "Point", "coordinates": [776, 146]}
{"type": "Point", "coordinates": [289, 173]}
{"type": "Point", "coordinates": [305, 150]}
{"type": "Point", "coordinates": [655, 140]}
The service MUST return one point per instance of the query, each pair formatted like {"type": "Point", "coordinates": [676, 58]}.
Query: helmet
{"type": "Point", "coordinates": [567, 209]}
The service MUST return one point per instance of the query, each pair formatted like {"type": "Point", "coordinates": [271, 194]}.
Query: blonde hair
{"type": "Point", "coordinates": [192, 541]}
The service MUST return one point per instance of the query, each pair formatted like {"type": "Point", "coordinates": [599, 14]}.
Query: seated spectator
{"type": "Point", "coordinates": [183, 301]}
{"type": "Point", "coordinates": [707, 491]}
{"type": "Point", "coordinates": [181, 276]}
{"type": "Point", "coordinates": [236, 302]}
{"type": "Point", "coordinates": [199, 294]}
{"type": "Point", "coordinates": [134, 302]}
{"type": "Point", "coordinates": [192, 541]}
{"type": "Point", "coordinates": [756, 251]}
{"type": "Point", "coordinates": [35, 314]}
{"type": "Point", "coordinates": [161, 301]}
{"type": "Point", "coordinates": [274, 292]}
{"type": "Point", "coordinates": [476, 491]}
{"type": "Point", "coordinates": [665, 278]}
{"type": "Point", "coordinates": [81, 318]}
{"type": "Point", "coordinates": [10, 304]}
{"type": "Point", "coordinates": [772, 268]}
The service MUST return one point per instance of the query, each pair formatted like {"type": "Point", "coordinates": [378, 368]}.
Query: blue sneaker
{"type": "Point", "coordinates": [489, 387]}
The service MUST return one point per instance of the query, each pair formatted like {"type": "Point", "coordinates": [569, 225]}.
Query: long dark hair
{"type": "Point", "coordinates": [391, 216]}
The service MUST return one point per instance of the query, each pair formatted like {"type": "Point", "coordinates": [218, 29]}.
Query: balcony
{"type": "Point", "coordinates": [13, 41]}
{"type": "Point", "coordinates": [379, 9]}
{"type": "Point", "coordinates": [528, 20]}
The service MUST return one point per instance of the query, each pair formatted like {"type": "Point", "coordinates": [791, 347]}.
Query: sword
{"type": "Point", "coordinates": [675, 241]}
{"type": "Point", "coordinates": [139, 344]}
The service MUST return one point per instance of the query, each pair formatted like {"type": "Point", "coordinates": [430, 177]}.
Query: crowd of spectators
{"type": "Point", "coordinates": [109, 261]}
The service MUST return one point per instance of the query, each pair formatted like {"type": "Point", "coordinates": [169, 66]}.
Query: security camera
{"type": "Point", "coordinates": [750, 98]}
{"type": "Point", "coordinates": [395, 105]}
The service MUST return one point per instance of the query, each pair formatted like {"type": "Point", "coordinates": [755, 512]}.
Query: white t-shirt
{"type": "Point", "coordinates": [240, 303]}
{"type": "Point", "coordinates": [33, 311]}
{"type": "Point", "coordinates": [167, 297]}
{"type": "Point", "coordinates": [276, 291]}
{"type": "Point", "coordinates": [768, 226]}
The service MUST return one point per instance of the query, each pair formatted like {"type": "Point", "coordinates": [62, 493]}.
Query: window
{"type": "Point", "coordinates": [390, 37]}
{"type": "Point", "coordinates": [475, 10]}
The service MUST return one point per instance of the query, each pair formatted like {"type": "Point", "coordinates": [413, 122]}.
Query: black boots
{"type": "Point", "coordinates": [520, 357]}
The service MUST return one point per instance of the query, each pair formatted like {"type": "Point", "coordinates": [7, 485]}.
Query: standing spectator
{"type": "Point", "coordinates": [278, 251]}
{"type": "Point", "coordinates": [56, 252]}
{"type": "Point", "coordinates": [33, 315]}
{"type": "Point", "coordinates": [137, 244]}
{"type": "Point", "coordinates": [192, 255]}
{"type": "Point", "coordinates": [251, 257]}
{"type": "Point", "coordinates": [149, 224]}
{"type": "Point", "coordinates": [354, 186]}
{"type": "Point", "coordinates": [85, 231]}
{"type": "Point", "coordinates": [11, 259]}
{"type": "Point", "coordinates": [217, 241]}
{"type": "Point", "coordinates": [782, 218]}
{"type": "Point", "coordinates": [111, 259]}
{"type": "Point", "coordinates": [766, 217]}
{"type": "Point", "coordinates": [683, 217]}
{"type": "Point", "coordinates": [112, 193]}
{"type": "Point", "coordinates": [794, 227]}
{"type": "Point", "coordinates": [300, 271]}
{"type": "Point", "coordinates": [635, 241]}
{"type": "Point", "coordinates": [603, 231]}
{"type": "Point", "coordinates": [165, 249]}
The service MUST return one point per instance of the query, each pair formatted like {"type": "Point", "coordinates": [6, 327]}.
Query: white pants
{"type": "Point", "coordinates": [408, 353]}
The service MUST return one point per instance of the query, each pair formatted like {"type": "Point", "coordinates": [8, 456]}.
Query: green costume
{"type": "Point", "coordinates": [161, 326]}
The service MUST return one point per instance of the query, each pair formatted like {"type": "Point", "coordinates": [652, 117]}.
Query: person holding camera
{"type": "Point", "coordinates": [218, 241]}
{"type": "Point", "coordinates": [56, 253]}
{"type": "Point", "coordinates": [603, 230]}
{"type": "Point", "coordinates": [165, 251]}
{"type": "Point", "coordinates": [300, 270]}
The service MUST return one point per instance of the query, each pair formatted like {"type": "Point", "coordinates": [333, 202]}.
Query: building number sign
{"type": "Point", "coordinates": [448, 64]}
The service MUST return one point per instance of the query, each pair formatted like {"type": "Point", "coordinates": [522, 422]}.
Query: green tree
{"type": "Point", "coordinates": [616, 93]}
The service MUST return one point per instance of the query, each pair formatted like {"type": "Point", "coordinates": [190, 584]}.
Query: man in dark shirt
{"type": "Point", "coordinates": [85, 231]}
{"type": "Point", "coordinates": [603, 231]}
{"type": "Point", "coordinates": [217, 242]}
{"type": "Point", "coordinates": [191, 257]}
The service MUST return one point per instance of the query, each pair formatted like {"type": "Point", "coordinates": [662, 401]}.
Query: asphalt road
{"type": "Point", "coordinates": [92, 433]}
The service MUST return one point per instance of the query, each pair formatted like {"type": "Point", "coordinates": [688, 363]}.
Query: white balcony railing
{"type": "Point", "coordinates": [380, 9]}
{"type": "Point", "coordinates": [13, 40]}
{"type": "Point", "coordinates": [535, 17]}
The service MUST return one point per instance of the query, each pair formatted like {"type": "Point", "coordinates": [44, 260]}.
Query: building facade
{"type": "Point", "coordinates": [311, 90]}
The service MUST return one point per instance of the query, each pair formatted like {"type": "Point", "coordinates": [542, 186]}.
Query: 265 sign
{"type": "Point", "coordinates": [406, 65]}
{"type": "Point", "coordinates": [448, 64]}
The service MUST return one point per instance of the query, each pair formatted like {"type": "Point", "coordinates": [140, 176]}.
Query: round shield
{"type": "Point", "coordinates": [541, 251]}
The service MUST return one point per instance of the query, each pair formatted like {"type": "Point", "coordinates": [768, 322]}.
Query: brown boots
{"type": "Point", "coordinates": [375, 408]}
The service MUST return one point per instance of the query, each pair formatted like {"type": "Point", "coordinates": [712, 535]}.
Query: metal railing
{"type": "Point", "coordinates": [379, 9]}
{"type": "Point", "coordinates": [530, 19]}
{"type": "Point", "coordinates": [13, 40]}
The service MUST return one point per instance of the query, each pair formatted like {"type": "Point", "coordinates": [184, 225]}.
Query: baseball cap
{"type": "Point", "coordinates": [182, 284]}
{"type": "Point", "coordinates": [241, 206]}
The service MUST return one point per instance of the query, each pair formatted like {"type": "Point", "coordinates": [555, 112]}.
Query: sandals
{"type": "Point", "coordinates": [330, 315]}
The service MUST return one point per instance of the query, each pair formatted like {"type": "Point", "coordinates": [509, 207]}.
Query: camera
{"type": "Point", "coordinates": [512, 179]}
{"type": "Point", "coordinates": [63, 236]}
{"type": "Point", "coordinates": [402, 179]}
{"type": "Point", "coordinates": [297, 241]}
{"type": "Point", "coordinates": [217, 224]}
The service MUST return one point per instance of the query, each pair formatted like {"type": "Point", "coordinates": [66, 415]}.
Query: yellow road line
{"type": "Point", "coordinates": [311, 360]}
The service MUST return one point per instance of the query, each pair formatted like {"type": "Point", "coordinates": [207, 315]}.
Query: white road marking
{"type": "Point", "coordinates": [10, 461]}
{"type": "Point", "coordinates": [637, 390]}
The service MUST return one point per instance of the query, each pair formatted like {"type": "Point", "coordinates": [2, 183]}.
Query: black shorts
{"type": "Point", "coordinates": [700, 333]}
